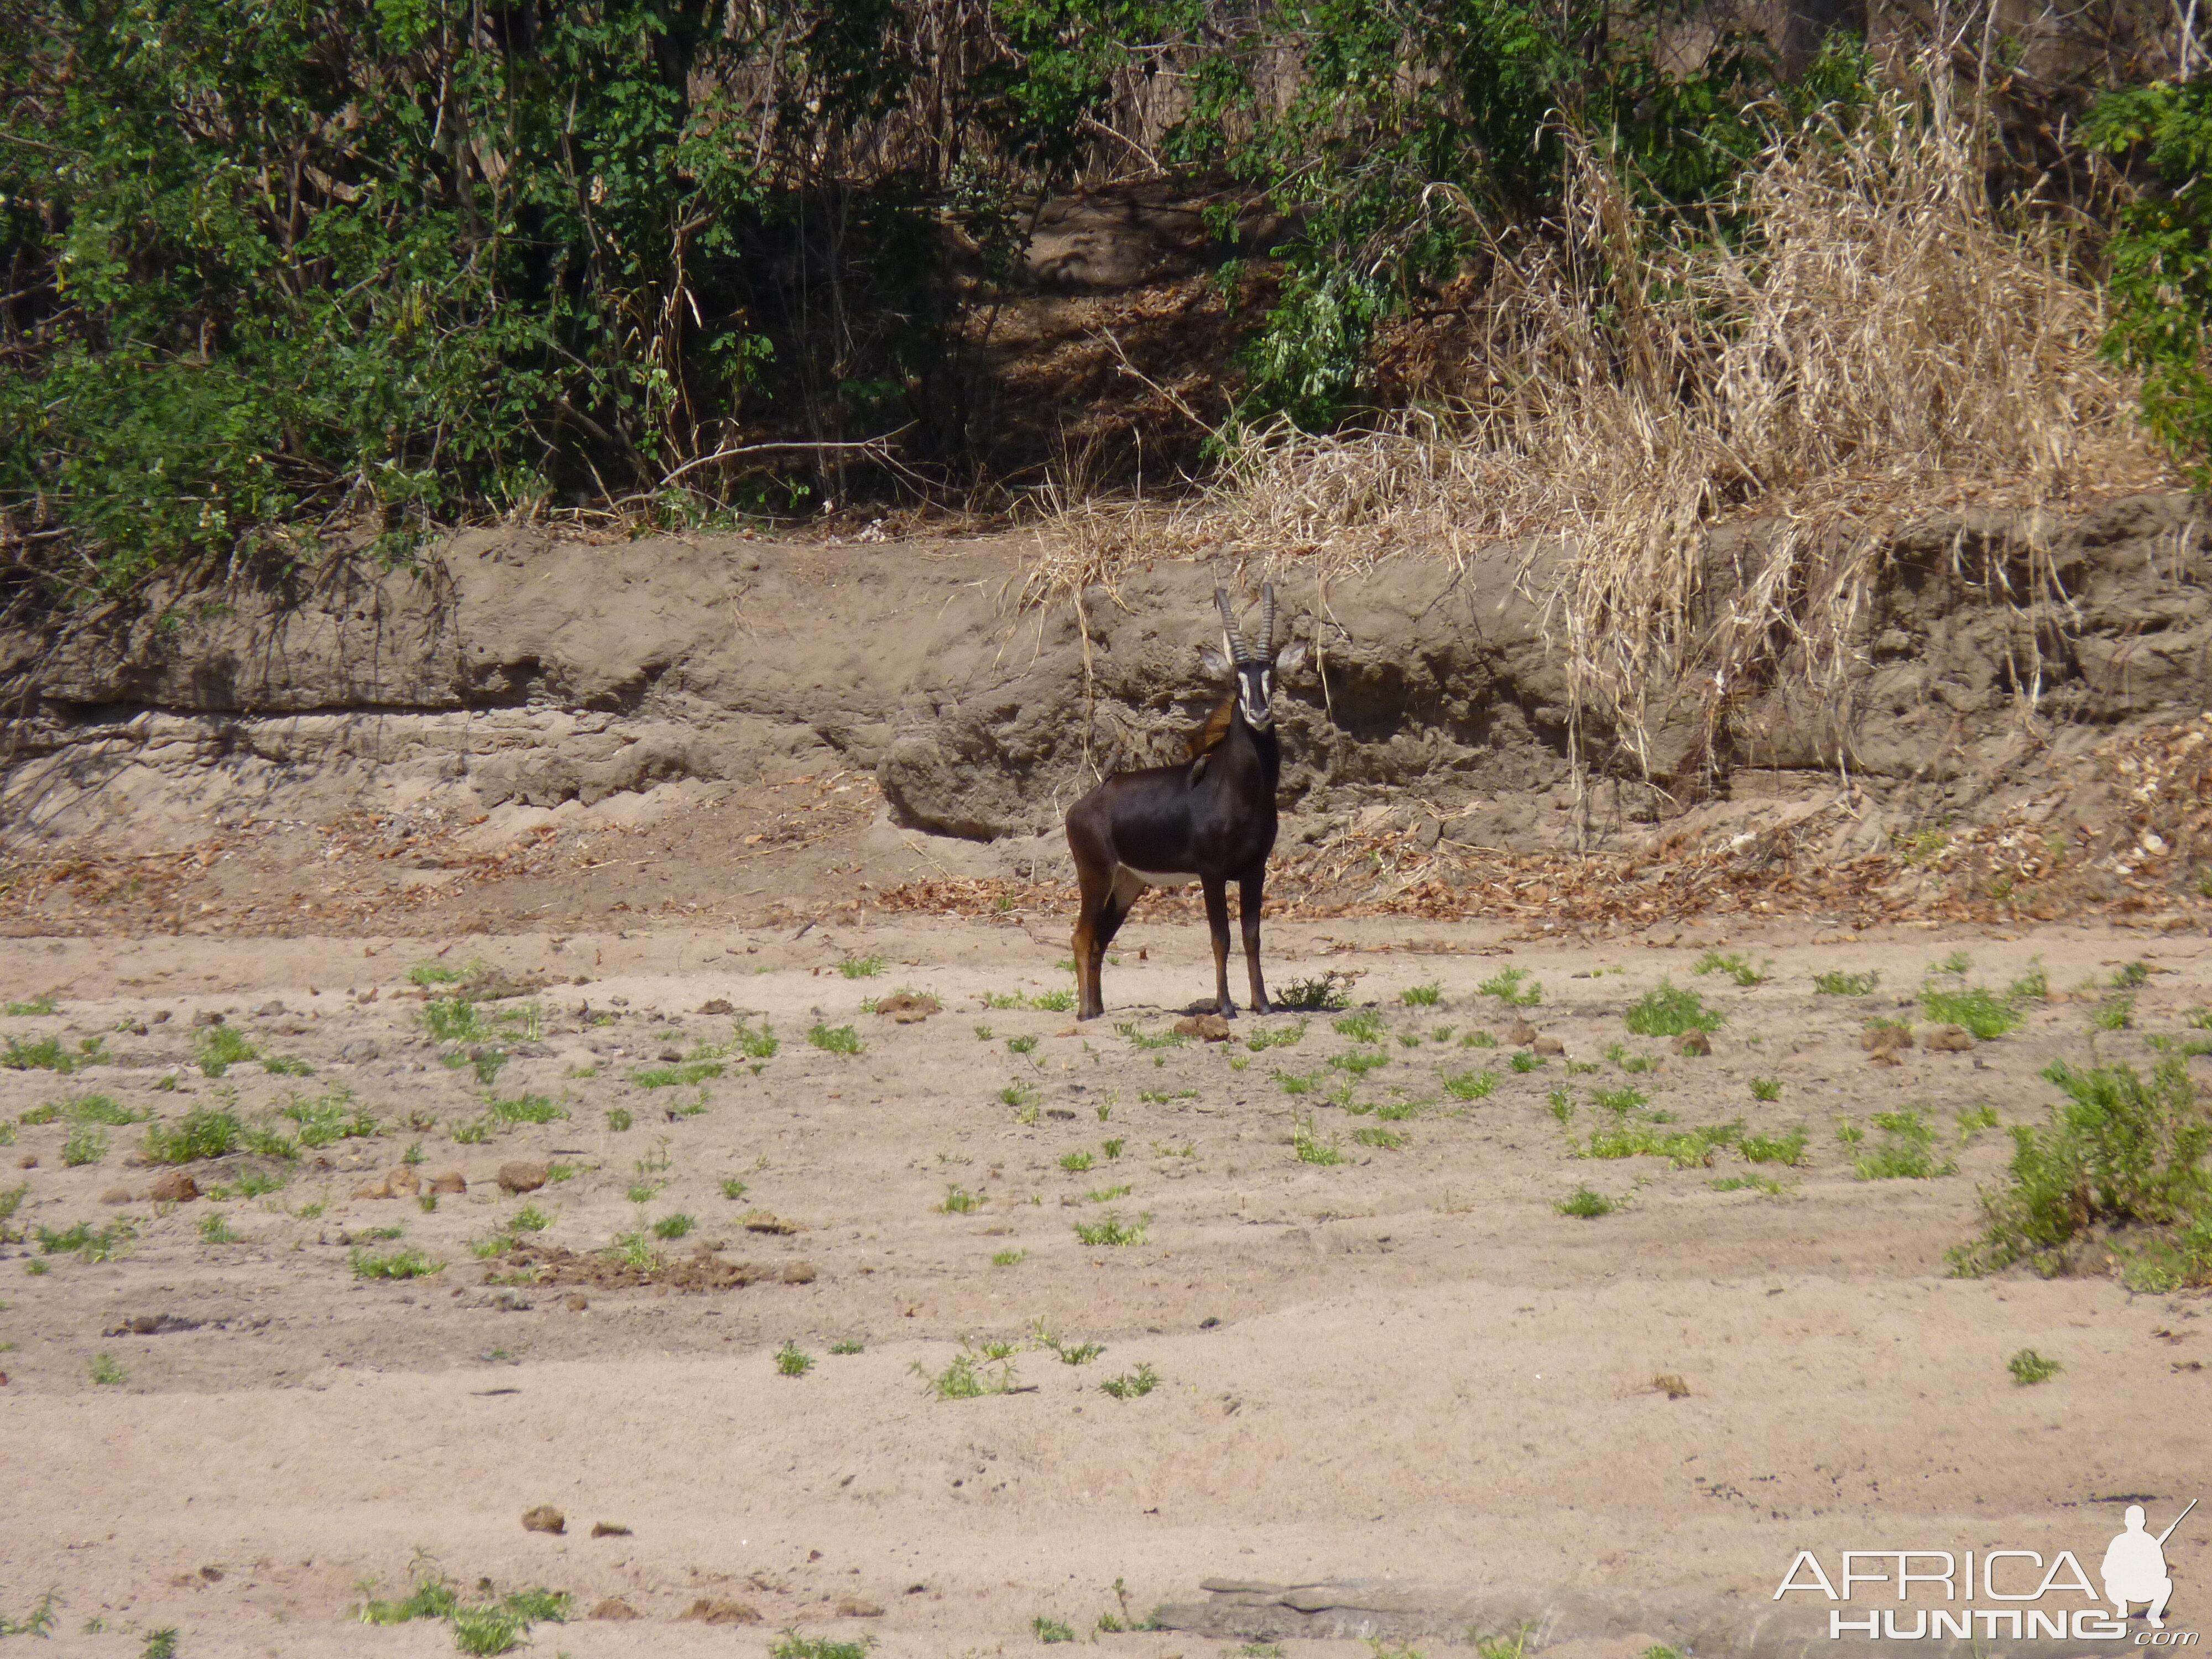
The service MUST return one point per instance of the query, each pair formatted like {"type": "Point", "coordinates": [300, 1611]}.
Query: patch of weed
{"type": "Point", "coordinates": [1513, 987]}
{"type": "Point", "coordinates": [1050, 1631]}
{"type": "Point", "coordinates": [734, 1189]}
{"type": "Point", "coordinates": [1766, 1088]}
{"type": "Point", "coordinates": [2028, 1368]}
{"type": "Point", "coordinates": [86, 1143]}
{"type": "Point", "coordinates": [1736, 965]}
{"type": "Point", "coordinates": [972, 1373]}
{"type": "Point", "coordinates": [682, 1075]}
{"type": "Point", "coordinates": [1750, 1183]}
{"type": "Point", "coordinates": [1841, 984]}
{"type": "Point", "coordinates": [86, 1243]}
{"type": "Point", "coordinates": [408, 1263]}
{"type": "Point", "coordinates": [1383, 1139]}
{"type": "Point", "coordinates": [792, 1360]}
{"type": "Point", "coordinates": [203, 1133]}
{"type": "Point", "coordinates": [1671, 1010]}
{"type": "Point", "coordinates": [215, 1230]}
{"type": "Point", "coordinates": [1309, 1147]}
{"type": "Point", "coordinates": [1686, 1149]}
{"type": "Point", "coordinates": [835, 1039]}
{"type": "Point", "coordinates": [1423, 996]}
{"type": "Point", "coordinates": [1132, 1385]}
{"type": "Point", "coordinates": [1524, 1062]}
{"type": "Point", "coordinates": [1471, 1085]}
{"type": "Point", "coordinates": [107, 1371]}
{"type": "Point", "coordinates": [1906, 1151]}
{"type": "Point", "coordinates": [1008, 1258]}
{"type": "Point", "coordinates": [37, 1008]}
{"type": "Point", "coordinates": [1075, 1163]}
{"type": "Point", "coordinates": [1111, 1231]}
{"type": "Point", "coordinates": [1788, 1149]}
{"type": "Point", "coordinates": [1981, 1010]}
{"type": "Point", "coordinates": [40, 1054]}
{"type": "Point", "coordinates": [673, 1226]}
{"type": "Point", "coordinates": [330, 1117]}
{"type": "Point", "coordinates": [861, 967]}
{"type": "Point", "coordinates": [619, 1119]}
{"type": "Point", "coordinates": [1358, 1061]}
{"type": "Point", "coordinates": [1585, 1204]}
{"type": "Point", "coordinates": [2114, 1013]}
{"type": "Point", "coordinates": [958, 1200]}
{"type": "Point", "coordinates": [1324, 995]}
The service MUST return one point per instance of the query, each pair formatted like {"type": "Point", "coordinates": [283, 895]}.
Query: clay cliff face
{"type": "Point", "coordinates": [518, 666]}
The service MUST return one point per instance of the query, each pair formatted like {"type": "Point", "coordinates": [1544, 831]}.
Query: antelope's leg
{"type": "Point", "coordinates": [1217, 919]}
{"type": "Point", "coordinates": [1249, 890]}
{"type": "Point", "coordinates": [1094, 880]}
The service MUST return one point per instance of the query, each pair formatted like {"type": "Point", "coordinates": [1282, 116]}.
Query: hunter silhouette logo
{"type": "Point", "coordinates": [2133, 1572]}
{"type": "Point", "coordinates": [2134, 1567]}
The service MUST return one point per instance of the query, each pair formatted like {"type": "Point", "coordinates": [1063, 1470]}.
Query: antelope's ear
{"type": "Point", "coordinates": [1214, 662]}
{"type": "Point", "coordinates": [1291, 659]}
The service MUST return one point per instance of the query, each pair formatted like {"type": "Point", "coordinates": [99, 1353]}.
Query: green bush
{"type": "Point", "coordinates": [201, 1133]}
{"type": "Point", "coordinates": [2119, 1149]}
{"type": "Point", "coordinates": [2161, 258]}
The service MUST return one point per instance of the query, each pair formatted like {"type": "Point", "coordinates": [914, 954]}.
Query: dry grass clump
{"type": "Point", "coordinates": [1883, 338]}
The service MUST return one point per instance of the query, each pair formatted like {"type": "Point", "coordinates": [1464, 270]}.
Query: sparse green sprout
{"type": "Point", "coordinates": [1471, 1085]}
{"type": "Point", "coordinates": [1423, 996]}
{"type": "Point", "coordinates": [1585, 1204]}
{"type": "Point", "coordinates": [1132, 1385]}
{"type": "Point", "coordinates": [1021, 1045]}
{"type": "Point", "coordinates": [1734, 964]}
{"type": "Point", "coordinates": [329, 1117]}
{"type": "Point", "coordinates": [1906, 1151]}
{"type": "Point", "coordinates": [1320, 995]}
{"type": "Point", "coordinates": [1671, 1010]}
{"type": "Point", "coordinates": [1111, 1231]}
{"type": "Point", "coordinates": [1358, 1061]}
{"type": "Point", "coordinates": [732, 1188]}
{"type": "Point", "coordinates": [203, 1133]}
{"type": "Point", "coordinates": [755, 1045]}
{"type": "Point", "coordinates": [1766, 1088]}
{"type": "Point", "coordinates": [2114, 1013]}
{"type": "Point", "coordinates": [88, 1243]}
{"type": "Point", "coordinates": [958, 1200]}
{"type": "Point", "coordinates": [792, 1360]}
{"type": "Point", "coordinates": [1020, 1094]}
{"type": "Point", "coordinates": [1774, 1149]}
{"type": "Point", "coordinates": [1279, 1036]}
{"type": "Point", "coordinates": [681, 1075]}
{"type": "Point", "coordinates": [1840, 984]}
{"type": "Point", "coordinates": [107, 1372]}
{"type": "Point", "coordinates": [1750, 1183]}
{"type": "Point", "coordinates": [408, 1263]}
{"type": "Point", "coordinates": [619, 1119]}
{"type": "Point", "coordinates": [1149, 1040]}
{"type": "Point", "coordinates": [1075, 1162]}
{"type": "Point", "coordinates": [835, 1039]}
{"type": "Point", "coordinates": [1296, 1082]}
{"type": "Point", "coordinates": [1309, 1147]}
{"type": "Point", "coordinates": [1112, 1148]}
{"type": "Point", "coordinates": [1478, 1040]}
{"type": "Point", "coordinates": [219, 1047]}
{"type": "Point", "coordinates": [1686, 1149]}
{"type": "Point", "coordinates": [983, 1034]}
{"type": "Point", "coordinates": [427, 974]}
{"type": "Point", "coordinates": [215, 1230]}
{"type": "Point", "coordinates": [860, 967]}
{"type": "Point", "coordinates": [673, 1226]}
{"type": "Point", "coordinates": [973, 1372]}
{"type": "Point", "coordinates": [1619, 1101]}
{"type": "Point", "coordinates": [1979, 1010]}
{"type": "Point", "coordinates": [1561, 1105]}
{"type": "Point", "coordinates": [1974, 1119]}
{"type": "Point", "coordinates": [1383, 1139]}
{"type": "Point", "coordinates": [37, 1008]}
{"type": "Point", "coordinates": [45, 1054]}
{"type": "Point", "coordinates": [847, 1345]}
{"type": "Point", "coordinates": [1513, 987]}
{"type": "Point", "coordinates": [1524, 1062]}
{"type": "Point", "coordinates": [86, 1143]}
{"type": "Point", "coordinates": [2028, 1368]}
{"type": "Point", "coordinates": [1008, 1258]}
{"type": "Point", "coordinates": [1054, 1002]}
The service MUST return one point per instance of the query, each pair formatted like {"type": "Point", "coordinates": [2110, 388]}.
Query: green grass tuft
{"type": "Point", "coordinates": [1847, 984]}
{"type": "Point", "coordinates": [1671, 1010]}
{"type": "Point", "coordinates": [2028, 1368]}
{"type": "Point", "coordinates": [1586, 1204]}
{"type": "Point", "coordinates": [1513, 987]}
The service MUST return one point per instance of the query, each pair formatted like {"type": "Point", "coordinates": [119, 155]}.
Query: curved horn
{"type": "Point", "coordinates": [1267, 620]}
{"type": "Point", "coordinates": [1237, 646]}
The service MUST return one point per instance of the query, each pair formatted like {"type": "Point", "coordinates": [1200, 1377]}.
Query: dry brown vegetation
{"type": "Point", "coordinates": [1882, 339]}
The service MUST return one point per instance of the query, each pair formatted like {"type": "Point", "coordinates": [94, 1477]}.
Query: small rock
{"type": "Point", "coordinates": [174, 1188]}
{"type": "Point", "coordinates": [721, 1610]}
{"type": "Point", "coordinates": [609, 1529]}
{"type": "Point", "coordinates": [270, 1010]}
{"type": "Point", "coordinates": [908, 1007]}
{"type": "Point", "coordinates": [451, 1182]}
{"type": "Point", "coordinates": [28, 1161]}
{"type": "Point", "coordinates": [1548, 1045]}
{"type": "Point", "coordinates": [1208, 1028]}
{"type": "Point", "coordinates": [670, 1057]}
{"type": "Point", "coordinates": [1948, 1040]}
{"type": "Point", "coordinates": [1693, 1041]}
{"type": "Point", "coordinates": [160, 1017]}
{"type": "Point", "coordinates": [403, 1183]}
{"type": "Point", "coordinates": [614, 1607]}
{"type": "Point", "coordinates": [1885, 1040]}
{"type": "Point", "coordinates": [1673, 1387]}
{"type": "Point", "coordinates": [576, 1302]}
{"type": "Point", "coordinates": [716, 1006]}
{"type": "Point", "coordinates": [854, 1607]}
{"type": "Point", "coordinates": [798, 1273]}
{"type": "Point", "coordinates": [521, 1177]}
{"type": "Point", "coordinates": [1426, 832]}
{"type": "Point", "coordinates": [359, 1051]}
{"type": "Point", "coordinates": [207, 1017]}
{"type": "Point", "coordinates": [1522, 1035]}
{"type": "Point", "coordinates": [213, 1575]}
{"type": "Point", "coordinates": [116, 1195]}
{"type": "Point", "coordinates": [544, 1518]}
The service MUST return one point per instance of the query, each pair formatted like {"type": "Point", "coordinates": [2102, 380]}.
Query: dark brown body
{"type": "Point", "coordinates": [1211, 819]}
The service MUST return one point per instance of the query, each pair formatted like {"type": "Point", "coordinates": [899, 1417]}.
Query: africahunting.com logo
{"type": "Point", "coordinates": [2132, 1575]}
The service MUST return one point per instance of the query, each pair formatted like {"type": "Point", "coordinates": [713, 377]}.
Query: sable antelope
{"type": "Point", "coordinates": [1211, 819]}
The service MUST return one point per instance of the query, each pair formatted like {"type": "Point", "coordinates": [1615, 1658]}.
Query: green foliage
{"type": "Point", "coordinates": [1320, 995]}
{"type": "Point", "coordinates": [756, 1045]}
{"type": "Point", "coordinates": [1685, 1149]}
{"type": "Point", "coordinates": [1132, 1385]}
{"type": "Point", "coordinates": [330, 1117]}
{"type": "Point", "coordinates": [2028, 1368]}
{"type": "Point", "coordinates": [792, 1360]}
{"type": "Point", "coordinates": [408, 1263]}
{"type": "Point", "coordinates": [497, 1624]}
{"type": "Point", "coordinates": [37, 1008]}
{"type": "Point", "coordinates": [218, 1048]}
{"type": "Point", "coordinates": [679, 1076]}
{"type": "Point", "coordinates": [861, 967]}
{"type": "Point", "coordinates": [958, 1200]}
{"type": "Point", "coordinates": [1586, 1204]}
{"type": "Point", "coordinates": [1671, 1010]}
{"type": "Point", "coordinates": [2119, 1149]}
{"type": "Point", "coordinates": [1110, 1230]}
{"type": "Point", "coordinates": [45, 1054]}
{"type": "Point", "coordinates": [1735, 964]}
{"type": "Point", "coordinates": [40, 1621]}
{"type": "Point", "coordinates": [1841, 984]}
{"type": "Point", "coordinates": [201, 1133]}
{"type": "Point", "coordinates": [1423, 996]}
{"type": "Point", "coordinates": [835, 1039]}
{"type": "Point", "coordinates": [86, 1243]}
{"type": "Point", "coordinates": [1906, 1151]}
{"type": "Point", "coordinates": [107, 1371]}
{"type": "Point", "coordinates": [792, 1645]}
{"type": "Point", "coordinates": [1050, 1631]}
{"type": "Point", "coordinates": [673, 1226]}
{"type": "Point", "coordinates": [86, 1143]}
{"type": "Point", "coordinates": [2161, 257]}
{"type": "Point", "coordinates": [1767, 1089]}
{"type": "Point", "coordinates": [1471, 1085]}
{"type": "Point", "coordinates": [1774, 1149]}
{"type": "Point", "coordinates": [1513, 987]}
{"type": "Point", "coordinates": [972, 1373]}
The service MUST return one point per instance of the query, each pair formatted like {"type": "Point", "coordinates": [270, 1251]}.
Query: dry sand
{"type": "Point", "coordinates": [1408, 1364]}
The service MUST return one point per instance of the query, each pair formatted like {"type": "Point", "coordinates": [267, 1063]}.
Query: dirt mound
{"type": "Point", "coordinates": [705, 1268]}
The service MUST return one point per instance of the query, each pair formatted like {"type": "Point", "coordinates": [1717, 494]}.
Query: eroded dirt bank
{"type": "Point", "coordinates": [1408, 1363]}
